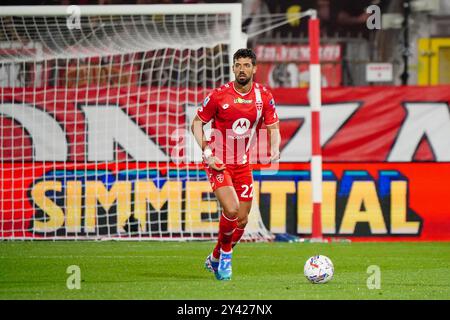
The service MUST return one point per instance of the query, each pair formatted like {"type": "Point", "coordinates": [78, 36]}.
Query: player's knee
{"type": "Point", "coordinates": [242, 222]}
{"type": "Point", "coordinates": [231, 210]}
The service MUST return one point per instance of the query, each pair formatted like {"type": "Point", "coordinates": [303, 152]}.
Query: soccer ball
{"type": "Point", "coordinates": [318, 269]}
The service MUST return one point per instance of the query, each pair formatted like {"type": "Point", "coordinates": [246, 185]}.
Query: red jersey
{"type": "Point", "coordinates": [236, 119]}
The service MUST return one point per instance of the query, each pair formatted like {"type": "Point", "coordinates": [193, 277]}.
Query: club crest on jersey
{"type": "Point", "coordinates": [240, 100]}
{"type": "Point", "coordinates": [241, 126]}
{"type": "Point", "coordinates": [219, 177]}
{"type": "Point", "coordinates": [259, 106]}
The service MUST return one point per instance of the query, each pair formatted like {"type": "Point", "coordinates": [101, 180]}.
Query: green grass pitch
{"type": "Point", "coordinates": [174, 270]}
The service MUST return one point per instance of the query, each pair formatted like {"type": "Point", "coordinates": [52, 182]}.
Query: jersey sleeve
{"type": "Point", "coordinates": [208, 109]}
{"type": "Point", "coordinates": [269, 110]}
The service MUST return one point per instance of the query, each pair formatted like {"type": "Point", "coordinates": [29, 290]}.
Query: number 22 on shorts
{"type": "Point", "coordinates": [247, 188]}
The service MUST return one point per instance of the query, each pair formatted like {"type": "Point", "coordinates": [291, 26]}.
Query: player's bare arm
{"type": "Point", "coordinates": [275, 140]}
{"type": "Point", "coordinates": [199, 134]}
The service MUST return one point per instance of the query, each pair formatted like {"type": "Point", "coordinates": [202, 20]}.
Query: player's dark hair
{"type": "Point", "coordinates": [245, 53]}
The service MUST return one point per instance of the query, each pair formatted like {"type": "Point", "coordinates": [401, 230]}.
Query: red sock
{"type": "Point", "coordinates": [216, 251]}
{"type": "Point", "coordinates": [226, 229]}
{"type": "Point", "coordinates": [237, 235]}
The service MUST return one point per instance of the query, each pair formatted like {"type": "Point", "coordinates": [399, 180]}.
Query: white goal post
{"type": "Point", "coordinates": [94, 102]}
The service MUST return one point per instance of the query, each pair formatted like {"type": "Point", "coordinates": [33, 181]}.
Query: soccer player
{"type": "Point", "coordinates": [237, 110]}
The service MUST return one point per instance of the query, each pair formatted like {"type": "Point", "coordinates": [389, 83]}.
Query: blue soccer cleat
{"type": "Point", "coordinates": [211, 265]}
{"type": "Point", "coordinates": [224, 269]}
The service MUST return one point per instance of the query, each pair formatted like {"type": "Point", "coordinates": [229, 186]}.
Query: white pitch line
{"type": "Point", "coordinates": [90, 257]}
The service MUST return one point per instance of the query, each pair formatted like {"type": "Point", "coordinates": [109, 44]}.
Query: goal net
{"type": "Point", "coordinates": [95, 108]}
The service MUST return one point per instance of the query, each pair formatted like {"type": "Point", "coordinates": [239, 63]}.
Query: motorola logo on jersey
{"type": "Point", "coordinates": [241, 126]}
{"type": "Point", "coordinates": [225, 106]}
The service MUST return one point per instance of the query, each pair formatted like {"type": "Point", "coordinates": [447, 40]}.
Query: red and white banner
{"type": "Point", "coordinates": [297, 53]}
{"type": "Point", "coordinates": [369, 124]}
{"type": "Point", "coordinates": [287, 66]}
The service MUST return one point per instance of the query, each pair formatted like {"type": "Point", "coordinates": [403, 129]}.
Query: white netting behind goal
{"type": "Point", "coordinates": [93, 112]}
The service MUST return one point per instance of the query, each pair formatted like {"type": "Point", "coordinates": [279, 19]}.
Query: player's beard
{"type": "Point", "coordinates": [243, 82]}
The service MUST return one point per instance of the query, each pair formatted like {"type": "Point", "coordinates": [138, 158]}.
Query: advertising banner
{"type": "Point", "coordinates": [74, 163]}
{"type": "Point", "coordinates": [287, 66]}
